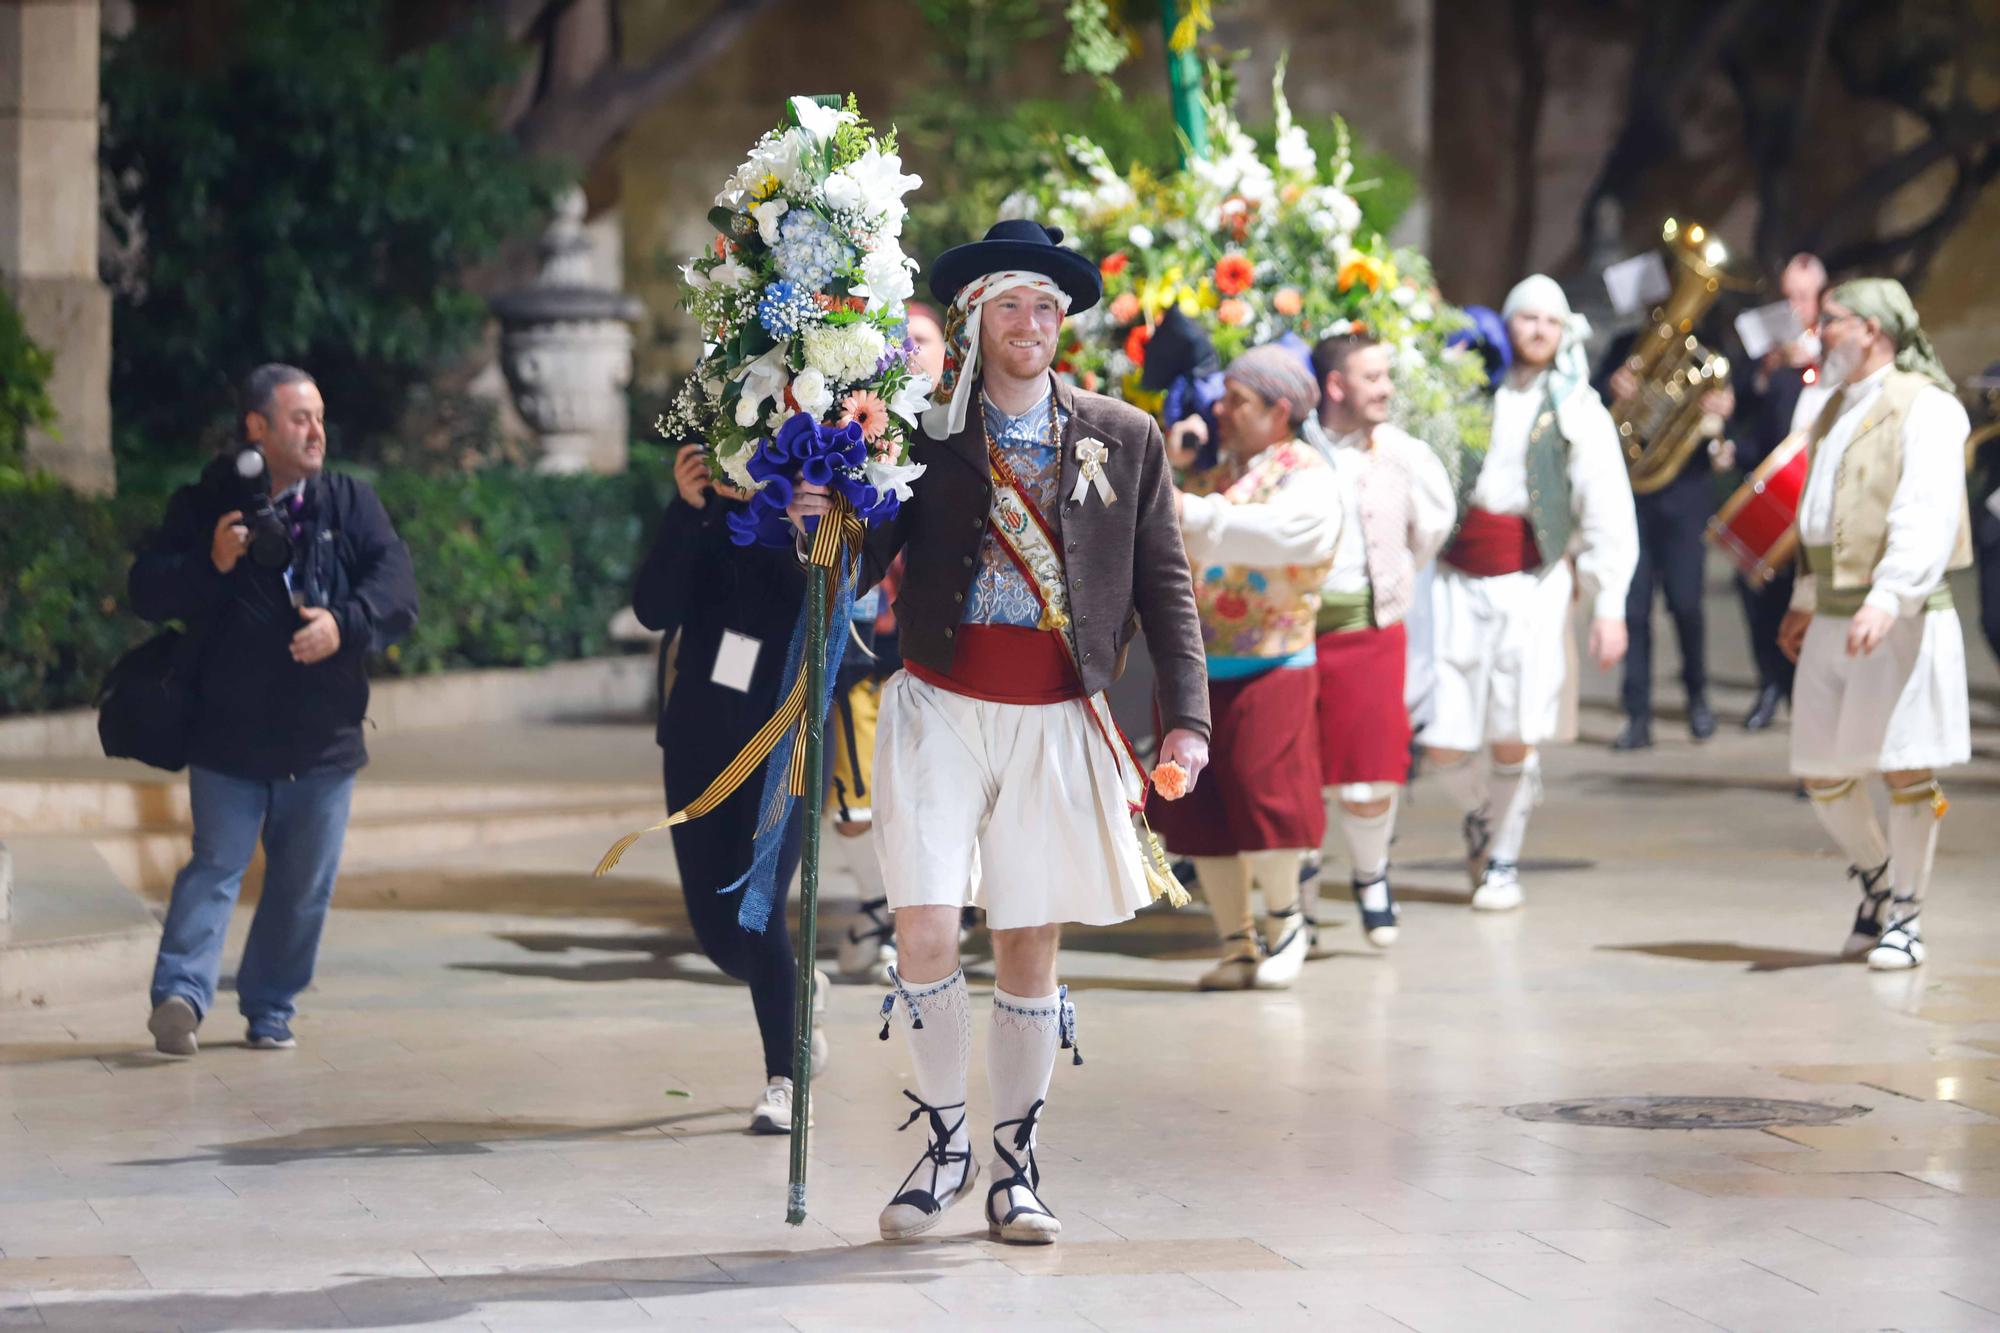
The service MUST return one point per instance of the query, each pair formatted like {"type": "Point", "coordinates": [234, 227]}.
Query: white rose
{"type": "Point", "coordinates": [810, 392]}
{"type": "Point", "coordinates": [736, 467]}
{"type": "Point", "coordinates": [843, 192]}
{"type": "Point", "coordinates": [1141, 236]}
{"type": "Point", "coordinates": [768, 215]}
{"type": "Point", "coordinates": [746, 411]}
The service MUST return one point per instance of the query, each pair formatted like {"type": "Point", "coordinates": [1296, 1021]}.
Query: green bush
{"type": "Point", "coordinates": [513, 569]}
{"type": "Point", "coordinates": [289, 186]}
{"type": "Point", "coordinates": [24, 385]}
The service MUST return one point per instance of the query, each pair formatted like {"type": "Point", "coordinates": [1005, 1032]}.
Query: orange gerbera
{"type": "Point", "coordinates": [1360, 268]}
{"type": "Point", "coordinates": [866, 409]}
{"type": "Point", "coordinates": [1124, 308]}
{"type": "Point", "coordinates": [1233, 312]}
{"type": "Point", "coordinates": [1135, 344]}
{"type": "Point", "coordinates": [1115, 263]}
{"type": "Point", "coordinates": [1288, 301]}
{"type": "Point", "coordinates": [1170, 780]}
{"type": "Point", "coordinates": [1233, 274]}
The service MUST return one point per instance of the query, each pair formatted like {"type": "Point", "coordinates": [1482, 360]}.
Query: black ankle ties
{"type": "Point", "coordinates": [938, 1153]}
{"type": "Point", "coordinates": [1028, 1174]}
{"type": "Point", "coordinates": [879, 929]}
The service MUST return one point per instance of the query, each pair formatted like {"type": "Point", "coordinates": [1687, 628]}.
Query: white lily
{"type": "Point", "coordinates": [911, 401]}
{"type": "Point", "coordinates": [886, 277]}
{"type": "Point", "coordinates": [887, 475]}
{"type": "Point", "coordinates": [768, 215]}
{"type": "Point", "coordinates": [819, 121]}
{"type": "Point", "coordinates": [729, 273]}
{"type": "Point", "coordinates": [766, 377]}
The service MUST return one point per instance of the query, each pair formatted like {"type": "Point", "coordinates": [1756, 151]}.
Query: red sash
{"type": "Point", "coordinates": [1006, 664]}
{"type": "Point", "coordinates": [1490, 544]}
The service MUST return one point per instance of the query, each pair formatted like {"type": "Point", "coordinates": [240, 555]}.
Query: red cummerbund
{"type": "Point", "coordinates": [1006, 664]}
{"type": "Point", "coordinates": [1488, 544]}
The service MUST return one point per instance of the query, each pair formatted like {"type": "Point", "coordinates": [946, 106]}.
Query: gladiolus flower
{"type": "Point", "coordinates": [1170, 780]}
{"type": "Point", "coordinates": [1115, 263]}
{"type": "Point", "coordinates": [866, 410]}
{"type": "Point", "coordinates": [1233, 312]}
{"type": "Point", "coordinates": [1124, 308]}
{"type": "Point", "coordinates": [1234, 274]}
{"type": "Point", "coordinates": [1135, 344]}
{"type": "Point", "coordinates": [1287, 301]}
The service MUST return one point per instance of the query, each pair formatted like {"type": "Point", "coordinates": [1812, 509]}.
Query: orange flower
{"type": "Point", "coordinates": [831, 303]}
{"type": "Point", "coordinates": [1233, 312]}
{"type": "Point", "coordinates": [723, 247]}
{"type": "Point", "coordinates": [1233, 274]}
{"type": "Point", "coordinates": [868, 410]}
{"type": "Point", "coordinates": [1124, 308]}
{"type": "Point", "coordinates": [1236, 214]}
{"type": "Point", "coordinates": [1115, 263]}
{"type": "Point", "coordinates": [1287, 301]}
{"type": "Point", "coordinates": [1090, 381]}
{"type": "Point", "coordinates": [1360, 268]}
{"type": "Point", "coordinates": [1170, 780]}
{"type": "Point", "coordinates": [1135, 344]}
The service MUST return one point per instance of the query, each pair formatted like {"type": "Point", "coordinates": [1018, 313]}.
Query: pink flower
{"type": "Point", "coordinates": [868, 410]}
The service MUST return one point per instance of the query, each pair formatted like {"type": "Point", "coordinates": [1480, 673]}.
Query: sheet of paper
{"type": "Point", "coordinates": [736, 661]}
{"type": "Point", "coordinates": [1635, 284]}
{"type": "Point", "coordinates": [1767, 327]}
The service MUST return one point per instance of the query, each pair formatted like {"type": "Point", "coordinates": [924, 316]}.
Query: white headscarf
{"type": "Point", "coordinates": [953, 397]}
{"type": "Point", "coordinates": [1543, 295]}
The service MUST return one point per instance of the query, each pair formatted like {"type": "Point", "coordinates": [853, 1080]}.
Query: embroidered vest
{"type": "Point", "coordinates": [1549, 511]}
{"type": "Point", "coordinates": [1865, 483]}
{"type": "Point", "coordinates": [1259, 610]}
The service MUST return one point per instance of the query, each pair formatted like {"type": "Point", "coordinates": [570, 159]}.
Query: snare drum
{"type": "Point", "coordinates": [1756, 528]}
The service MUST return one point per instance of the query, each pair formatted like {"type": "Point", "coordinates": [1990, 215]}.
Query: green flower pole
{"type": "Point", "coordinates": [1184, 85]}
{"type": "Point", "coordinates": [808, 941]}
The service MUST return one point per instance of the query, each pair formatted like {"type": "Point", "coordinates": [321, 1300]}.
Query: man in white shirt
{"type": "Point", "coordinates": [1881, 659]}
{"type": "Point", "coordinates": [1550, 491]}
{"type": "Point", "coordinates": [1395, 510]}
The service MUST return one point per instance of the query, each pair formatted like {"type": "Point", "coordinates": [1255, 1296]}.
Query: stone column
{"type": "Point", "coordinates": [49, 223]}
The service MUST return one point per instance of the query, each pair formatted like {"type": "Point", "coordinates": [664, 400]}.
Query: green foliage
{"type": "Point", "coordinates": [24, 386]}
{"type": "Point", "coordinates": [513, 569]}
{"type": "Point", "coordinates": [300, 192]}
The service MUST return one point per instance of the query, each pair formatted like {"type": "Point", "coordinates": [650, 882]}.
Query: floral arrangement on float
{"type": "Point", "coordinates": [1251, 246]}
{"type": "Point", "coordinates": [806, 367]}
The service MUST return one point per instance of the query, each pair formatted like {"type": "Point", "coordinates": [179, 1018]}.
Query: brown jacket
{"type": "Point", "coordinates": [1125, 562]}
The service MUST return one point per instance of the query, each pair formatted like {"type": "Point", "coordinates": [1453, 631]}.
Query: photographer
{"type": "Point", "coordinates": [288, 577]}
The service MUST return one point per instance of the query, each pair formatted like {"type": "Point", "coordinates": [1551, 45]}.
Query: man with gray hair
{"type": "Point", "coordinates": [289, 576]}
{"type": "Point", "coordinates": [1548, 493]}
{"type": "Point", "coordinates": [1259, 529]}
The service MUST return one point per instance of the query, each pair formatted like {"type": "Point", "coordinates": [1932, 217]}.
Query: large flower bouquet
{"type": "Point", "coordinates": [806, 366]}
{"type": "Point", "coordinates": [1252, 246]}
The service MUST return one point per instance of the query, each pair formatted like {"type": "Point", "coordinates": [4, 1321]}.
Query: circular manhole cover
{"type": "Point", "coordinates": [1684, 1112]}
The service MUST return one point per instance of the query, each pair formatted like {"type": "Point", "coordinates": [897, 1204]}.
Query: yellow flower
{"type": "Point", "coordinates": [1358, 267]}
{"type": "Point", "coordinates": [767, 189]}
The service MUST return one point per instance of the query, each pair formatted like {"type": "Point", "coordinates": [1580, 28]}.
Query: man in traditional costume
{"type": "Point", "coordinates": [1041, 536]}
{"type": "Point", "coordinates": [1395, 510]}
{"type": "Point", "coordinates": [1259, 528]}
{"type": "Point", "coordinates": [1548, 493]}
{"type": "Point", "coordinates": [1881, 658]}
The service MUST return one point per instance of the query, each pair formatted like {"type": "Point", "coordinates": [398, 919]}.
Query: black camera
{"type": "Point", "coordinates": [270, 532]}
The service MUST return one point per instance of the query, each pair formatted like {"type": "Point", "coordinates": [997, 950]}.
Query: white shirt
{"type": "Point", "coordinates": [1298, 526]}
{"type": "Point", "coordinates": [1923, 513]}
{"type": "Point", "coordinates": [1606, 538]}
{"type": "Point", "coordinates": [1350, 547]}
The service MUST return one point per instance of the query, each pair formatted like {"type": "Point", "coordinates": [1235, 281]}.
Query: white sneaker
{"type": "Point", "coordinates": [868, 945]}
{"type": "Point", "coordinates": [1901, 947]}
{"type": "Point", "coordinates": [173, 1025]}
{"type": "Point", "coordinates": [820, 1049]}
{"type": "Point", "coordinates": [773, 1112]}
{"type": "Point", "coordinates": [1499, 888]}
{"type": "Point", "coordinates": [1287, 958]}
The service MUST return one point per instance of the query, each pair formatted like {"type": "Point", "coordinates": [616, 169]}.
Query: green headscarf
{"type": "Point", "coordinates": [1884, 301]}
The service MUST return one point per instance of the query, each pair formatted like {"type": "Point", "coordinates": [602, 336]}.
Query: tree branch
{"type": "Point", "coordinates": [578, 123]}
{"type": "Point", "coordinates": [1924, 238]}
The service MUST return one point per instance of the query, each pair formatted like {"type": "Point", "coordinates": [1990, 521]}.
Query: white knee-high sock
{"type": "Point", "coordinates": [1368, 841]}
{"type": "Point", "coordinates": [1277, 874]}
{"type": "Point", "coordinates": [938, 1017]}
{"type": "Point", "coordinates": [1848, 816]}
{"type": "Point", "coordinates": [1020, 1057]}
{"type": "Point", "coordinates": [1516, 789]}
{"type": "Point", "coordinates": [1225, 882]}
{"type": "Point", "coordinates": [1466, 781]}
{"type": "Point", "coordinates": [1914, 815]}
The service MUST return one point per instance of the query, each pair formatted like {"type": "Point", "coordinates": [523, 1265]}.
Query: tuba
{"type": "Point", "coordinates": [1662, 424]}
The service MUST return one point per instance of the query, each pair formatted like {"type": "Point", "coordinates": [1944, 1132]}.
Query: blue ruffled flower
{"type": "Point", "coordinates": [815, 452]}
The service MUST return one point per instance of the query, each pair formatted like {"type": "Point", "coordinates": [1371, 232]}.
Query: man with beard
{"type": "Point", "coordinates": [1549, 490]}
{"type": "Point", "coordinates": [1881, 658]}
{"type": "Point", "coordinates": [1041, 537]}
{"type": "Point", "coordinates": [1395, 511]}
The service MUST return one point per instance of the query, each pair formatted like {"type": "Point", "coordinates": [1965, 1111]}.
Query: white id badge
{"type": "Point", "coordinates": [736, 661]}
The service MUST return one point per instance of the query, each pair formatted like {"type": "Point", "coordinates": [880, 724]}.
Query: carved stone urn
{"type": "Point", "coordinates": [566, 349]}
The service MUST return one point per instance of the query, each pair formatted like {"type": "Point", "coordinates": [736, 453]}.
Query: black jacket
{"type": "Point", "coordinates": [260, 714]}
{"type": "Point", "coordinates": [697, 583]}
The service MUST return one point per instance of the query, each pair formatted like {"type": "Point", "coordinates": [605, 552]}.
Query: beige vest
{"type": "Point", "coordinates": [1865, 483]}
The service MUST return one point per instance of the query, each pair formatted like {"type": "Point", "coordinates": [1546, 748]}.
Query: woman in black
{"type": "Point", "coordinates": [734, 608]}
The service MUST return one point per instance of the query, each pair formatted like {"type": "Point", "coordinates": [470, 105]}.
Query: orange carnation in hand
{"type": "Point", "coordinates": [1233, 274]}
{"type": "Point", "coordinates": [1170, 780]}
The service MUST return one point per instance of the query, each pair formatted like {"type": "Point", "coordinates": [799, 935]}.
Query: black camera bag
{"type": "Point", "coordinates": [145, 709]}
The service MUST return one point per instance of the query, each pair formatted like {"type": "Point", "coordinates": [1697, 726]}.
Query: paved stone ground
{"type": "Point", "coordinates": [518, 1104]}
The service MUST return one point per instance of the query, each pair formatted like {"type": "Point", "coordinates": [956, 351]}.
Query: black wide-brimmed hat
{"type": "Point", "coordinates": [1018, 244]}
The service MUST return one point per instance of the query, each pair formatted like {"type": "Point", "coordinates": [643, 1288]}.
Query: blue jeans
{"type": "Point", "coordinates": [303, 822]}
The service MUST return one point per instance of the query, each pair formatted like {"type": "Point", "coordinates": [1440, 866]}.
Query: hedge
{"type": "Point", "coordinates": [513, 569]}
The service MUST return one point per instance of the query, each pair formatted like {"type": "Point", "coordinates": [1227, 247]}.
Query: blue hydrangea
{"type": "Point", "coordinates": [808, 251]}
{"type": "Point", "coordinates": [784, 309]}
